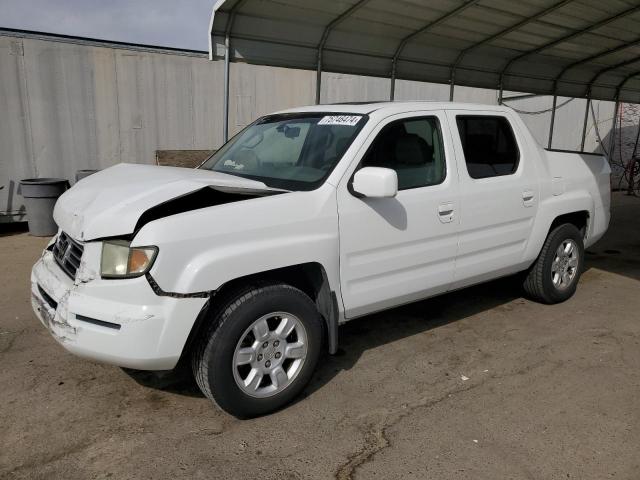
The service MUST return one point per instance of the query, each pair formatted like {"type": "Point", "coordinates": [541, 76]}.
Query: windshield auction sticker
{"type": "Point", "coordinates": [350, 120]}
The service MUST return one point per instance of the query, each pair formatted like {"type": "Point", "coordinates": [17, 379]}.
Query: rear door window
{"type": "Point", "coordinates": [489, 145]}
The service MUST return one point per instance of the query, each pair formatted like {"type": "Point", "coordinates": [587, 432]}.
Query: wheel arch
{"type": "Point", "coordinates": [580, 219]}
{"type": "Point", "coordinates": [311, 278]}
{"type": "Point", "coordinates": [575, 207]}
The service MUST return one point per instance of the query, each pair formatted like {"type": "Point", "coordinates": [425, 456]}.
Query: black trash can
{"type": "Point", "coordinates": [80, 174]}
{"type": "Point", "coordinates": [40, 195]}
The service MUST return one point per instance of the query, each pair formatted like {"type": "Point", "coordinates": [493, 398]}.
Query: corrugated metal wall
{"type": "Point", "coordinates": [66, 106]}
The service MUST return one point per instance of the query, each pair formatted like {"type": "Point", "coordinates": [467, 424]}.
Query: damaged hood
{"type": "Point", "coordinates": [110, 202]}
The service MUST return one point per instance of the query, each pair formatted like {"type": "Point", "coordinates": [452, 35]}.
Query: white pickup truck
{"type": "Point", "coordinates": [306, 219]}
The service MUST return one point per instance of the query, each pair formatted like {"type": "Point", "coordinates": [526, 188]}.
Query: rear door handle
{"type": "Point", "coordinates": [528, 197]}
{"type": "Point", "coordinates": [445, 212]}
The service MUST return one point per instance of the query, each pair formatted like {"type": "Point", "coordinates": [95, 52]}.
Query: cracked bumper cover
{"type": "Point", "coordinates": [153, 329]}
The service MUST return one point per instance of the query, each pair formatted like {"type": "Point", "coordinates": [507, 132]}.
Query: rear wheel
{"type": "Point", "coordinates": [260, 350]}
{"type": "Point", "coordinates": [554, 276]}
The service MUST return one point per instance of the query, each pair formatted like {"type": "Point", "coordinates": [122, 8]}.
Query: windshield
{"type": "Point", "coordinates": [294, 151]}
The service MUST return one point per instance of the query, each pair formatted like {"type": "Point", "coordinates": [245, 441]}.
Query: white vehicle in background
{"type": "Point", "coordinates": [306, 219]}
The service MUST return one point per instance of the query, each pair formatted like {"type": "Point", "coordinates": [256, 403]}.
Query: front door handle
{"type": "Point", "coordinates": [528, 197]}
{"type": "Point", "coordinates": [445, 212]}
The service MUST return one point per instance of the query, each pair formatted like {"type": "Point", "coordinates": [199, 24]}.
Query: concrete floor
{"type": "Point", "coordinates": [477, 384]}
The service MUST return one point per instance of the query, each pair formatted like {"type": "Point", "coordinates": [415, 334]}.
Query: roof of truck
{"type": "Point", "coordinates": [393, 107]}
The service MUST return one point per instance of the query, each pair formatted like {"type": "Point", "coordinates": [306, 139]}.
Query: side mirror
{"type": "Point", "coordinates": [376, 182]}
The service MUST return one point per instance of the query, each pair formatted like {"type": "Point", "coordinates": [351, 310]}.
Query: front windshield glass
{"type": "Point", "coordinates": [294, 151]}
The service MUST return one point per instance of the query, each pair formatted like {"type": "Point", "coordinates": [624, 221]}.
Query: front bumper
{"type": "Point", "coordinates": [135, 328]}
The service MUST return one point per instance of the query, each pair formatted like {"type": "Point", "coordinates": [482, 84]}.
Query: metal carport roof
{"type": "Point", "coordinates": [575, 48]}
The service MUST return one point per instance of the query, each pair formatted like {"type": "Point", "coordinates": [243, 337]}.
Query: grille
{"type": "Point", "coordinates": [67, 253]}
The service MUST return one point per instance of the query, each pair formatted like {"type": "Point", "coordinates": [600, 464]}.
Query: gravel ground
{"type": "Point", "coordinates": [476, 384]}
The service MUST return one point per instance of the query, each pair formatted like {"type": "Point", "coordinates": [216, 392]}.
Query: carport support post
{"type": "Point", "coordinates": [225, 124]}
{"type": "Point", "coordinates": [319, 77]}
{"type": "Point", "coordinates": [584, 125]}
{"type": "Point", "coordinates": [452, 86]}
{"type": "Point", "coordinates": [323, 41]}
{"type": "Point", "coordinates": [613, 129]}
{"type": "Point", "coordinates": [553, 119]}
{"type": "Point", "coordinates": [632, 171]}
{"type": "Point", "coordinates": [392, 94]}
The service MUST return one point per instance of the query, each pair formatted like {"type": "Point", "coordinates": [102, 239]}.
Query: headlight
{"type": "Point", "coordinates": [119, 260]}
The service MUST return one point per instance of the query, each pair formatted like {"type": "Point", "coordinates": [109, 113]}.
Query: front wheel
{"type": "Point", "coordinates": [554, 276]}
{"type": "Point", "coordinates": [260, 350]}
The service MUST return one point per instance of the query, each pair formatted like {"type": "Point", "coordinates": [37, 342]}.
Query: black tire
{"type": "Point", "coordinates": [538, 283]}
{"type": "Point", "coordinates": [212, 359]}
